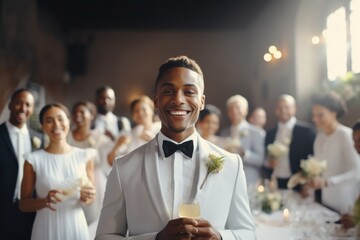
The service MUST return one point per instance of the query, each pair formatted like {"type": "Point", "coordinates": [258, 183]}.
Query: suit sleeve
{"type": "Point", "coordinates": [239, 225]}
{"type": "Point", "coordinates": [255, 154]}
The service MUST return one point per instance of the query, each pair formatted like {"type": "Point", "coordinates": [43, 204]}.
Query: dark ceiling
{"type": "Point", "coordinates": [153, 14]}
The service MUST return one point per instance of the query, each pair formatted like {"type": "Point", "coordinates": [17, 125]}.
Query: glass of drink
{"type": "Point", "coordinates": [190, 209]}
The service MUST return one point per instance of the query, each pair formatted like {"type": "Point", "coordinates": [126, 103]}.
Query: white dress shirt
{"type": "Point", "coordinates": [25, 147]}
{"type": "Point", "coordinates": [110, 122]}
{"type": "Point", "coordinates": [284, 136]}
{"type": "Point", "coordinates": [176, 174]}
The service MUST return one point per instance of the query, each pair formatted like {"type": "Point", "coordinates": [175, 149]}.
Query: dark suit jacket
{"type": "Point", "coordinates": [8, 176]}
{"type": "Point", "coordinates": [301, 146]}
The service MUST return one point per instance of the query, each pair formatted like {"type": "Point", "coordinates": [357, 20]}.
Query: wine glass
{"type": "Point", "coordinates": [190, 209]}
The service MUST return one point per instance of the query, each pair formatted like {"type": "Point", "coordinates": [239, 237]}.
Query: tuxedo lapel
{"type": "Point", "coordinates": [4, 133]}
{"type": "Point", "coordinates": [151, 158]}
{"type": "Point", "coordinates": [202, 154]}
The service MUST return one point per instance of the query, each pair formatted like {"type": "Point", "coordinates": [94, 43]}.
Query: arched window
{"type": "Point", "coordinates": [342, 36]}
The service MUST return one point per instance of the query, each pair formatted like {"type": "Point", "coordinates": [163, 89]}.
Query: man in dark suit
{"type": "Point", "coordinates": [297, 136]}
{"type": "Point", "coordinates": [15, 140]}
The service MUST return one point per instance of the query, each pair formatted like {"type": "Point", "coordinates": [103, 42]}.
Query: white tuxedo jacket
{"type": "Point", "coordinates": [134, 205]}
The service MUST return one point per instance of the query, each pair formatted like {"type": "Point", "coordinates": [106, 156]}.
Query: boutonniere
{"type": "Point", "coordinates": [36, 142]}
{"type": "Point", "coordinates": [214, 164]}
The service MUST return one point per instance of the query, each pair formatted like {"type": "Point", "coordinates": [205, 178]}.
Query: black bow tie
{"type": "Point", "coordinates": [169, 148]}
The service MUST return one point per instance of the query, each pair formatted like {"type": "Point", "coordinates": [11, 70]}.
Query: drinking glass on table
{"type": "Point", "coordinates": [190, 209]}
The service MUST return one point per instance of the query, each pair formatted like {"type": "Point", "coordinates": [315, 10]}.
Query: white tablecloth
{"type": "Point", "coordinates": [308, 220]}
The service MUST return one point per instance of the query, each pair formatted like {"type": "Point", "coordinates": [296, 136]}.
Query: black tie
{"type": "Point", "coordinates": [169, 148]}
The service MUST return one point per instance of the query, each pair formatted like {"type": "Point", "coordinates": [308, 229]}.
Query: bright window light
{"type": "Point", "coordinates": [336, 47]}
{"type": "Point", "coordinates": [355, 35]}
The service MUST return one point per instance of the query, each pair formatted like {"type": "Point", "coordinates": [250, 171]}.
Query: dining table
{"type": "Point", "coordinates": [300, 219]}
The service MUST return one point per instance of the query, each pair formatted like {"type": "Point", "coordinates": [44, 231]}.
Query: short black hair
{"type": "Point", "coordinates": [180, 61]}
{"type": "Point", "coordinates": [209, 109]}
{"type": "Point", "coordinates": [20, 90]}
{"type": "Point", "coordinates": [102, 89]}
{"type": "Point", "coordinates": [332, 101]}
{"type": "Point", "coordinates": [50, 105]}
{"type": "Point", "coordinates": [356, 126]}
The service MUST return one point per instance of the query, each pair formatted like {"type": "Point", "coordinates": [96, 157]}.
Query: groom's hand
{"type": "Point", "coordinates": [206, 231]}
{"type": "Point", "coordinates": [179, 229]}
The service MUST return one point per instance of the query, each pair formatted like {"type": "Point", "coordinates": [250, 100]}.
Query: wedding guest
{"type": "Point", "coordinates": [347, 220]}
{"type": "Point", "coordinates": [106, 121]}
{"type": "Point", "coordinates": [16, 139]}
{"type": "Point", "coordinates": [249, 139]}
{"type": "Point", "coordinates": [142, 111]}
{"type": "Point", "coordinates": [334, 144]}
{"type": "Point", "coordinates": [297, 136]}
{"type": "Point", "coordinates": [82, 136]}
{"type": "Point", "coordinates": [258, 117]}
{"type": "Point", "coordinates": [165, 174]}
{"type": "Point", "coordinates": [208, 125]}
{"type": "Point", "coordinates": [56, 173]}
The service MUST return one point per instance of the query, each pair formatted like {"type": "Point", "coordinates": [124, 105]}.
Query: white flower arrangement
{"type": "Point", "coordinates": [270, 200]}
{"type": "Point", "coordinates": [36, 142]}
{"type": "Point", "coordinates": [277, 150]}
{"type": "Point", "coordinates": [310, 169]}
{"type": "Point", "coordinates": [214, 164]}
{"type": "Point", "coordinates": [69, 188]}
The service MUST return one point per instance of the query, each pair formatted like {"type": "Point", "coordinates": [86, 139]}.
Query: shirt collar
{"type": "Point", "coordinates": [289, 124]}
{"type": "Point", "coordinates": [13, 129]}
{"type": "Point", "coordinates": [161, 137]}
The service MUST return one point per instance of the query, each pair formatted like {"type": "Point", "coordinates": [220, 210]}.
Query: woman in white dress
{"type": "Point", "coordinates": [142, 110]}
{"type": "Point", "coordinates": [82, 136]}
{"type": "Point", "coordinates": [335, 145]}
{"type": "Point", "coordinates": [62, 177]}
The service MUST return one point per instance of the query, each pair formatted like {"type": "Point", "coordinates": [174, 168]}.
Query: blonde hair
{"type": "Point", "coordinates": [237, 99]}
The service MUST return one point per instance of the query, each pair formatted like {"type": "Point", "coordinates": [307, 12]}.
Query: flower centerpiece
{"type": "Point", "coordinates": [268, 199]}
{"type": "Point", "coordinates": [214, 164]}
{"type": "Point", "coordinates": [310, 169]}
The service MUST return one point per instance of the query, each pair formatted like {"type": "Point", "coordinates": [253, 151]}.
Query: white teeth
{"type": "Point", "coordinates": [178, 113]}
{"type": "Point", "coordinates": [57, 131]}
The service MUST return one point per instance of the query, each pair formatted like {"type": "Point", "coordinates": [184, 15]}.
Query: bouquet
{"type": "Point", "coordinates": [310, 169]}
{"type": "Point", "coordinates": [277, 150]}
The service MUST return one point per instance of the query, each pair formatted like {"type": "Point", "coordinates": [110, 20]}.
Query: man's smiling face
{"type": "Point", "coordinates": [179, 98]}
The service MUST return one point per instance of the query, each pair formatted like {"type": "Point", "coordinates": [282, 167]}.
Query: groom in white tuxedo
{"type": "Point", "coordinates": [146, 187]}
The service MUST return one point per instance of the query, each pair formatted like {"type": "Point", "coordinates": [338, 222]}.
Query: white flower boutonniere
{"type": "Point", "coordinates": [36, 142]}
{"type": "Point", "coordinates": [214, 164]}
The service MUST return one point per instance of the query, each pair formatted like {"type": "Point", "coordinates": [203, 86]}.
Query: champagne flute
{"type": "Point", "coordinates": [190, 209]}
